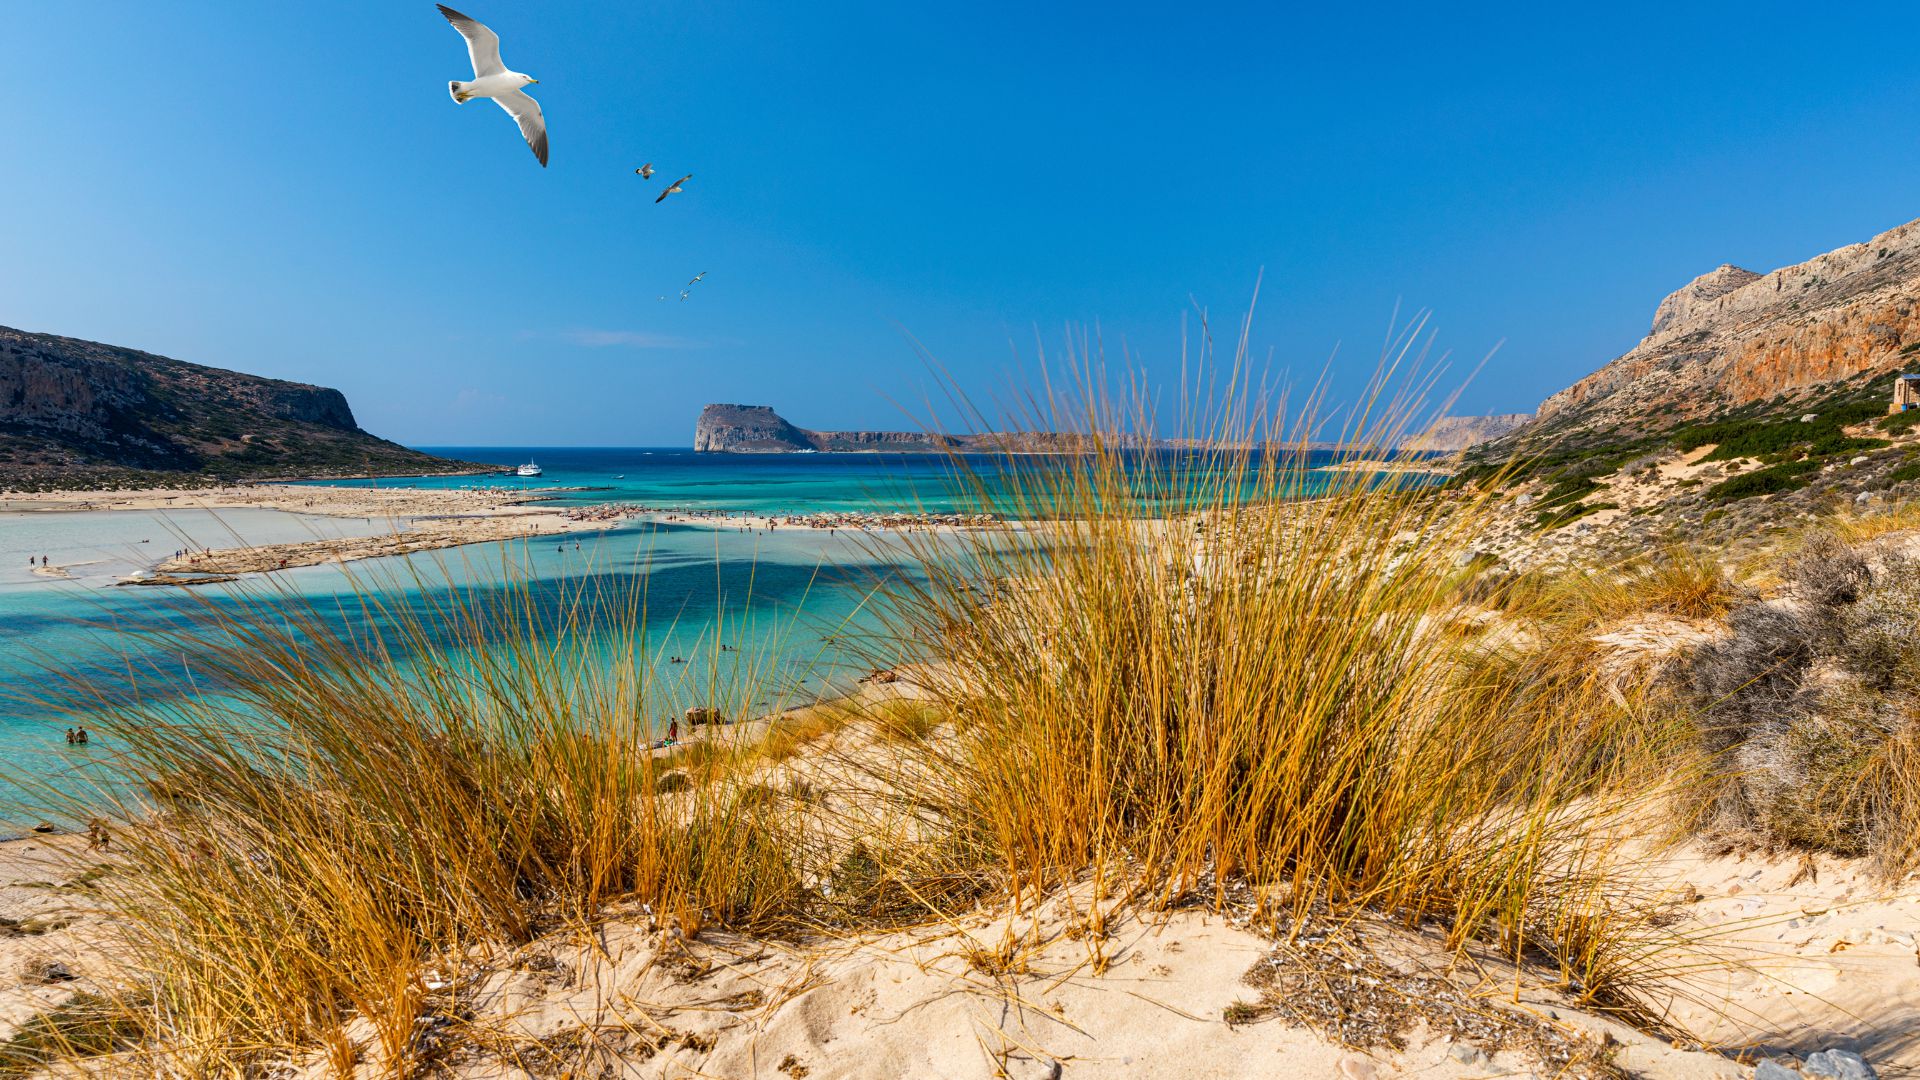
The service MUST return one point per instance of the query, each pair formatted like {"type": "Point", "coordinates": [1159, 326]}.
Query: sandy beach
{"type": "Point", "coordinates": [415, 519]}
{"type": "Point", "coordinates": [1376, 465]}
{"type": "Point", "coordinates": [1794, 955]}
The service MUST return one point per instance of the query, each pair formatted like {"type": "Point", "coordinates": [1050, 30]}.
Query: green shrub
{"type": "Point", "coordinates": [1555, 517]}
{"type": "Point", "coordinates": [1900, 421]}
{"type": "Point", "coordinates": [1789, 476]}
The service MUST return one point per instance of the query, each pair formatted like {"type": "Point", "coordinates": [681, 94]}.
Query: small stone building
{"type": "Point", "coordinates": [1906, 393]}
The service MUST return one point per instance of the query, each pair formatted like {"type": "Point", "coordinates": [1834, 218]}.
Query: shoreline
{"type": "Point", "coordinates": [1380, 465]}
{"type": "Point", "coordinates": [419, 519]}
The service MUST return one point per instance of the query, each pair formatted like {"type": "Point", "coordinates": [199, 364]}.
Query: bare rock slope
{"type": "Point", "coordinates": [1732, 337]}
{"type": "Point", "coordinates": [1451, 433]}
{"type": "Point", "coordinates": [79, 412]}
{"type": "Point", "coordinates": [757, 429]}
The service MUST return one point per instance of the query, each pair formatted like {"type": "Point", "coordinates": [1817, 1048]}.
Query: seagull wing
{"type": "Point", "coordinates": [526, 112]}
{"type": "Point", "coordinates": [483, 46]}
{"type": "Point", "coordinates": [675, 186]}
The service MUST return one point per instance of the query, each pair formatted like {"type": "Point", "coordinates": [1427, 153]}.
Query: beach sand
{"type": "Point", "coordinates": [1788, 955]}
{"type": "Point", "coordinates": [415, 519]}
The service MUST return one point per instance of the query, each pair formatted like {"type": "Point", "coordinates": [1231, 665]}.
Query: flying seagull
{"type": "Point", "coordinates": [674, 188]}
{"type": "Point", "coordinates": [684, 293]}
{"type": "Point", "coordinates": [491, 79]}
{"type": "Point", "coordinates": [697, 277]}
{"type": "Point", "coordinates": [645, 171]}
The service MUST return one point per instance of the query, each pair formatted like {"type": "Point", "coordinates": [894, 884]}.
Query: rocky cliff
{"type": "Point", "coordinates": [747, 429]}
{"type": "Point", "coordinates": [79, 412]}
{"type": "Point", "coordinates": [757, 429]}
{"type": "Point", "coordinates": [1453, 433]}
{"type": "Point", "coordinates": [1732, 338]}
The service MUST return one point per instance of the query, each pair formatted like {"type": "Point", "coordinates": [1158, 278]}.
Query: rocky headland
{"type": "Point", "coordinates": [77, 413]}
{"type": "Point", "coordinates": [1733, 339]}
{"type": "Point", "coordinates": [757, 429]}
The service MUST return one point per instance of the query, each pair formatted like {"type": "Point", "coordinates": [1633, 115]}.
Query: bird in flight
{"type": "Point", "coordinates": [696, 278]}
{"type": "Point", "coordinates": [491, 79]}
{"type": "Point", "coordinates": [684, 293]}
{"type": "Point", "coordinates": [645, 171]}
{"type": "Point", "coordinates": [674, 188]}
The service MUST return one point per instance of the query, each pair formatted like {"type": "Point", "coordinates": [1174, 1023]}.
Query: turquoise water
{"type": "Point", "coordinates": [790, 599]}
{"type": "Point", "coordinates": [682, 479]}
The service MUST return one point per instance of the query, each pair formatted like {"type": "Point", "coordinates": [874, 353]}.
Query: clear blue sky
{"type": "Point", "coordinates": [971, 175]}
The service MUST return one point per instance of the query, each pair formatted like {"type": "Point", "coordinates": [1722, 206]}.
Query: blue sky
{"type": "Point", "coordinates": [287, 189]}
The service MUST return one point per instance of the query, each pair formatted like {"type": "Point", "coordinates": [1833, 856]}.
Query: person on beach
{"type": "Point", "coordinates": [69, 736]}
{"type": "Point", "coordinates": [673, 730]}
{"type": "Point", "coordinates": [80, 737]}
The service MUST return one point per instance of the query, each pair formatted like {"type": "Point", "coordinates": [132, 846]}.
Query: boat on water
{"type": "Point", "coordinates": [529, 469]}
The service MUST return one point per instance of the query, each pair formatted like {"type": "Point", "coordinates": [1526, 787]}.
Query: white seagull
{"type": "Point", "coordinates": [674, 188]}
{"type": "Point", "coordinates": [491, 79]}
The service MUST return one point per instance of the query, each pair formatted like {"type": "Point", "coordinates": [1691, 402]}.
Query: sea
{"type": "Point", "coordinates": [793, 604]}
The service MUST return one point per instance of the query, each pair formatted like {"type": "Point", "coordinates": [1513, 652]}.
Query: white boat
{"type": "Point", "coordinates": [529, 469]}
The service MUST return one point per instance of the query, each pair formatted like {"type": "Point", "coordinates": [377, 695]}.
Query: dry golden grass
{"type": "Point", "coordinates": [1255, 692]}
{"type": "Point", "coordinates": [1857, 527]}
{"type": "Point", "coordinates": [353, 807]}
{"type": "Point", "coordinates": [1252, 693]}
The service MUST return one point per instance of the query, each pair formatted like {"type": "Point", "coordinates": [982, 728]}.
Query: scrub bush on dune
{"type": "Point", "coordinates": [1809, 709]}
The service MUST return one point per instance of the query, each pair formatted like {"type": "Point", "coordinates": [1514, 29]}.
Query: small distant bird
{"type": "Point", "coordinates": [645, 171]}
{"type": "Point", "coordinates": [697, 277]}
{"type": "Point", "coordinates": [674, 188]}
{"type": "Point", "coordinates": [684, 293]}
{"type": "Point", "coordinates": [491, 79]}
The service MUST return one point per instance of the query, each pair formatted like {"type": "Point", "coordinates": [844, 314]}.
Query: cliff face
{"type": "Point", "coordinates": [1732, 337]}
{"type": "Point", "coordinates": [747, 429]}
{"type": "Point", "coordinates": [757, 429]}
{"type": "Point", "coordinates": [74, 411]}
{"type": "Point", "coordinates": [1452, 433]}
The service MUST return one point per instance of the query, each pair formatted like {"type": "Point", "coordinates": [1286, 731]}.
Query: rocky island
{"type": "Point", "coordinates": [77, 413]}
{"type": "Point", "coordinates": [757, 429]}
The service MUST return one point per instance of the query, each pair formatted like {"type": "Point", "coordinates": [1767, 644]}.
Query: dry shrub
{"type": "Point", "coordinates": [1808, 709]}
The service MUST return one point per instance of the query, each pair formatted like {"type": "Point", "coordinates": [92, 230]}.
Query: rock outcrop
{"type": "Point", "coordinates": [1732, 337]}
{"type": "Point", "coordinates": [747, 429]}
{"type": "Point", "coordinates": [1454, 433]}
{"type": "Point", "coordinates": [757, 429]}
{"type": "Point", "coordinates": [79, 412]}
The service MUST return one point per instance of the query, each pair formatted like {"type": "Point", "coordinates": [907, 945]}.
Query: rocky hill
{"type": "Point", "coordinates": [757, 429]}
{"type": "Point", "coordinates": [79, 413]}
{"type": "Point", "coordinates": [1733, 339]}
{"type": "Point", "coordinates": [1452, 433]}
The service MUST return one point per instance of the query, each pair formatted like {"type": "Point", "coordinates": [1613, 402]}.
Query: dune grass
{"type": "Point", "coordinates": [352, 803]}
{"type": "Point", "coordinates": [1176, 674]}
{"type": "Point", "coordinates": [1257, 692]}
